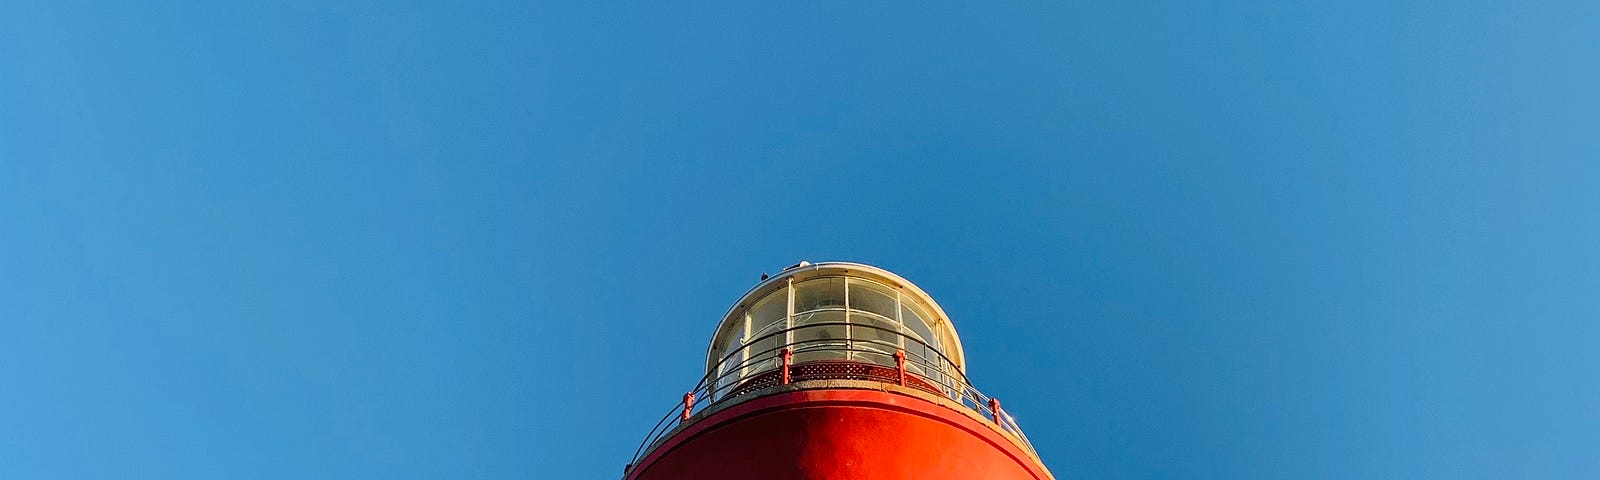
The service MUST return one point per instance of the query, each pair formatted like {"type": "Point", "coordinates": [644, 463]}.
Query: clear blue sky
{"type": "Point", "coordinates": [1181, 240]}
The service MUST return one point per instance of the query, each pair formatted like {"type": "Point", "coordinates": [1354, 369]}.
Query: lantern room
{"type": "Point", "coordinates": [833, 320]}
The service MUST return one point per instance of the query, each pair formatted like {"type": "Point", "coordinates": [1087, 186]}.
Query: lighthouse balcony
{"type": "Point", "coordinates": [880, 363]}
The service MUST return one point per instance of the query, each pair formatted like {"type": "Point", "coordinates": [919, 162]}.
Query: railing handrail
{"type": "Point", "coordinates": [944, 359]}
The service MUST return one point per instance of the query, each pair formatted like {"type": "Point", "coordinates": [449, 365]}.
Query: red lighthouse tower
{"type": "Point", "coordinates": [836, 371]}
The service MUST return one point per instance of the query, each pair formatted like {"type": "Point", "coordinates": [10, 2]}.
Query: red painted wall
{"type": "Point", "coordinates": [838, 434]}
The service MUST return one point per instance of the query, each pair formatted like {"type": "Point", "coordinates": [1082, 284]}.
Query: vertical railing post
{"type": "Point", "coordinates": [994, 409]}
{"type": "Point", "coordinates": [688, 405]}
{"type": "Point", "coordinates": [788, 358]}
{"type": "Point", "coordinates": [900, 363]}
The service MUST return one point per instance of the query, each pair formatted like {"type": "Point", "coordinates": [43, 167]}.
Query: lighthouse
{"type": "Point", "coordinates": [833, 371]}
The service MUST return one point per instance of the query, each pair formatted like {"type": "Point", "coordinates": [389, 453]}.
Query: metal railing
{"type": "Point", "coordinates": [938, 374]}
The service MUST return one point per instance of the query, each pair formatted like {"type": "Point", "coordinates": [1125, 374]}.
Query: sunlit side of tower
{"type": "Point", "coordinates": [835, 371]}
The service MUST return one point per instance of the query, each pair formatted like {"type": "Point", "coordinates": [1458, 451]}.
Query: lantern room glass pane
{"type": "Point", "coordinates": [917, 322]}
{"type": "Point", "coordinates": [874, 338]}
{"type": "Point", "coordinates": [814, 340]}
{"type": "Point", "coordinates": [819, 293]}
{"type": "Point", "coordinates": [767, 321]}
{"type": "Point", "coordinates": [728, 372]}
{"type": "Point", "coordinates": [771, 309]}
{"type": "Point", "coordinates": [872, 297]}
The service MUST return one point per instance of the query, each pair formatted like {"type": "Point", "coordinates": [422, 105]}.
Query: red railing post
{"type": "Point", "coordinates": [994, 409]}
{"type": "Point", "coordinates": [688, 405]}
{"type": "Point", "coordinates": [900, 363]}
{"type": "Point", "coordinates": [788, 358]}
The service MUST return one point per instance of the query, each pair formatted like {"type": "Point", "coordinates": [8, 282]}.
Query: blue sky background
{"type": "Point", "coordinates": [1181, 240]}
